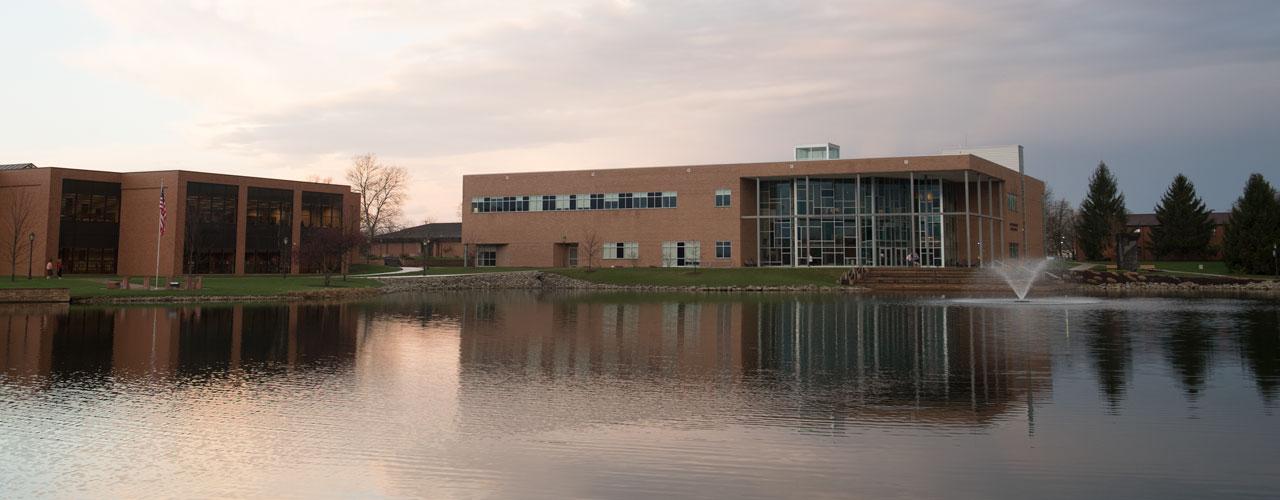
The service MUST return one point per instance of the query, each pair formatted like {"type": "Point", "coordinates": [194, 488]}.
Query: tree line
{"type": "Point", "coordinates": [1184, 229]}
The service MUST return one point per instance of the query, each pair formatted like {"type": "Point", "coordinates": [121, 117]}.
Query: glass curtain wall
{"type": "Point", "coordinates": [867, 221]}
{"type": "Point", "coordinates": [210, 240]}
{"type": "Point", "coordinates": [268, 225]}
{"type": "Point", "coordinates": [89, 229]}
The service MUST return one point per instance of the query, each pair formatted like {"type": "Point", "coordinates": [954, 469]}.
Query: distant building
{"type": "Point", "coordinates": [960, 209]}
{"type": "Point", "coordinates": [108, 222]}
{"type": "Point", "coordinates": [1146, 222]}
{"type": "Point", "coordinates": [442, 240]}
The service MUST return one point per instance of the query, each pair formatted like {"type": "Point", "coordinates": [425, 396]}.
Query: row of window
{"type": "Point", "coordinates": [671, 250]}
{"type": "Point", "coordinates": [85, 207]}
{"type": "Point", "coordinates": [557, 202]}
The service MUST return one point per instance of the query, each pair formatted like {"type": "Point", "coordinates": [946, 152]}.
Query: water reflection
{"type": "Point", "coordinates": [44, 344]}
{"type": "Point", "coordinates": [517, 394]}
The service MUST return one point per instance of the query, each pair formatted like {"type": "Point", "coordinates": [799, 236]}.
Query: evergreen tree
{"type": "Point", "coordinates": [1102, 214]}
{"type": "Point", "coordinates": [1253, 228]}
{"type": "Point", "coordinates": [1185, 228]}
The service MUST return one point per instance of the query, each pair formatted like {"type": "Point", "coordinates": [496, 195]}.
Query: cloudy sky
{"type": "Point", "coordinates": [448, 87]}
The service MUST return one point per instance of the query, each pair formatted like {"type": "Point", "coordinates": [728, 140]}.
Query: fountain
{"type": "Point", "coordinates": [1022, 276]}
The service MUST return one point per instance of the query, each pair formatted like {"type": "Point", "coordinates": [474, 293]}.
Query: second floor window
{"type": "Point", "coordinates": [724, 197]}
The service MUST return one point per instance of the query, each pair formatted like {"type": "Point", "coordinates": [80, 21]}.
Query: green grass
{"type": "Point", "coordinates": [1215, 267]}
{"type": "Point", "coordinates": [1210, 267]}
{"type": "Point", "coordinates": [750, 276]}
{"type": "Point", "coordinates": [228, 286]}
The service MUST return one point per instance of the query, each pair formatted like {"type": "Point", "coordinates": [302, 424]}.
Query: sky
{"type": "Point", "coordinates": [446, 88]}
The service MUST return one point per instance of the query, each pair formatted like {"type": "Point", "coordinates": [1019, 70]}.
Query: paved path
{"type": "Point", "coordinates": [402, 270]}
{"type": "Point", "coordinates": [1083, 267]}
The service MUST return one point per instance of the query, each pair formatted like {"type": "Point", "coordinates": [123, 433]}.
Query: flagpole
{"type": "Point", "coordinates": [159, 224]}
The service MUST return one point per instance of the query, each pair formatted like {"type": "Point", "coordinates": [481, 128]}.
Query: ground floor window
{"type": "Point", "coordinates": [87, 260]}
{"type": "Point", "coordinates": [724, 250]}
{"type": "Point", "coordinates": [1013, 250]}
{"type": "Point", "coordinates": [681, 254]}
{"type": "Point", "coordinates": [622, 251]}
{"type": "Point", "coordinates": [487, 256]}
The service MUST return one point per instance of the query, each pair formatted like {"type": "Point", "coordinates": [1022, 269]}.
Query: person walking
{"type": "Point", "coordinates": [57, 267]}
{"type": "Point", "coordinates": [48, 269]}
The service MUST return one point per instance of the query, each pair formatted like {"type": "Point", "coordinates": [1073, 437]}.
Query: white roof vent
{"type": "Point", "coordinates": [824, 151]}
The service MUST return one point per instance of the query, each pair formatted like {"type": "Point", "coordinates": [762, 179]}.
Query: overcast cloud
{"type": "Point", "coordinates": [447, 88]}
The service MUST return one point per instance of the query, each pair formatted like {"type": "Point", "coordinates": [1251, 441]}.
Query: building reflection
{"type": "Point", "coordinates": [85, 343]}
{"type": "Point", "coordinates": [832, 355]}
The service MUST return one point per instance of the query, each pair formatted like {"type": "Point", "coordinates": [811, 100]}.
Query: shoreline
{"type": "Point", "coordinates": [543, 280]}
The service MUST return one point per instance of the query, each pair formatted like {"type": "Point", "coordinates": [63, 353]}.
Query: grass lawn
{"type": "Point", "coordinates": [747, 276]}
{"type": "Point", "coordinates": [1210, 267]}
{"type": "Point", "coordinates": [95, 286]}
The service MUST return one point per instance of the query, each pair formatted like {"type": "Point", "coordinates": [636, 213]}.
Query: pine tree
{"type": "Point", "coordinates": [1102, 214]}
{"type": "Point", "coordinates": [1253, 228]}
{"type": "Point", "coordinates": [1185, 228]}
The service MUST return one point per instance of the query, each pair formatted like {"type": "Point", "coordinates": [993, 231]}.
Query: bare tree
{"type": "Point", "coordinates": [19, 223]}
{"type": "Point", "coordinates": [383, 189]}
{"type": "Point", "coordinates": [428, 220]}
{"type": "Point", "coordinates": [1060, 220]}
{"type": "Point", "coordinates": [327, 250]}
{"type": "Point", "coordinates": [592, 241]}
{"type": "Point", "coordinates": [318, 179]}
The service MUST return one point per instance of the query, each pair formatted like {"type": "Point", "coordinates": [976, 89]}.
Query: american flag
{"type": "Point", "coordinates": [162, 211]}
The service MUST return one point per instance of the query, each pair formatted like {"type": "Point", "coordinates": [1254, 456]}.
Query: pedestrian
{"type": "Point", "coordinates": [57, 266]}
{"type": "Point", "coordinates": [48, 269]}
{"type": "Point", "coordinates": [909, 256]}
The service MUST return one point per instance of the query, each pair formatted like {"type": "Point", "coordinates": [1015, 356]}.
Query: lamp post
{"type": "Point", "coordinates": [425, 245]}
{"type": "Point", "coordinates": [1275, 258]}
{"type": "Point", "coordinates": [31, 252]}
{"type": "Point", "coordinates": [286, 260]}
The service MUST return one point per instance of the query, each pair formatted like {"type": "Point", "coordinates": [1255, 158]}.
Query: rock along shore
{"type": "Point", "coordinates": [538, 280]}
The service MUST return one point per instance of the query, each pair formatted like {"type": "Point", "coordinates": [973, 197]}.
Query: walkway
{"type": "Point", "coordinates": [401, 271]}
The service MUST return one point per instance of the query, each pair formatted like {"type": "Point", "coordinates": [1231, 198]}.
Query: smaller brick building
{"type": "Point", "coordinates": [1144, 223]}
{"type": "Point", "coordinates": [107, 222]}
{"type": "Point", "coordinates": [443, 240]}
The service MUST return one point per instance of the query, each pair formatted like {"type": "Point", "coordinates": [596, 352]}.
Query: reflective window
{"type": "Point", "coordinates": [724, 250]}
{"type": "Point", "coordinates": [622, 251]}
{"type": "Point", "coordinates": [209, 240]}
{"type": "Point", "coordinates": [89, 226]}
{"type": "Point", "coordinates": [585, 201]}
{"type": "Point", "coordinates": [680, 254]}
{"type": "Point", "coordinates": [724, 197]}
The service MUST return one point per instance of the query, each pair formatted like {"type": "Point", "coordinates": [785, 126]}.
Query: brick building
{"type": "Point", "coordinates": [441, 239]}
{"type": "Point", "coordinates": [961, 209]}
{"type": "Point", "coordinates": [107, 222]}
{"type": "Point", "coordinates": [1144, 223]}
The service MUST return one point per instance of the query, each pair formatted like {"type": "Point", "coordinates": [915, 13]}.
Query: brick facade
{"type": "Point", "coordinates": [139, 214]}
{"type": "Point", "coordinates": [540, 238]}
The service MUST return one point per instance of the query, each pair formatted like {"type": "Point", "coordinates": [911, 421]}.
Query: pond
{"type": "Point", "coordinates": [513, 394]}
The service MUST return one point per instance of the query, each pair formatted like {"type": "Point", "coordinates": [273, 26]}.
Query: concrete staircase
{"type": "Point", "coordinates": [928, 279]}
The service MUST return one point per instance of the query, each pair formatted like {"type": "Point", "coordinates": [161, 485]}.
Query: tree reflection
{"type": "Point", "coordinates": [1259, 340]}
{"type": "Point", "coordinates": [1188, 349]}
{"type": "Point", "coordinates": [1112, 352]}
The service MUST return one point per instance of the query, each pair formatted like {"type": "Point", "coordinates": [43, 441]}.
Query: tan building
{"type": "Point", "coordinates": [107, 222]}
{"type": "Point", "coordinates": [939, 210]}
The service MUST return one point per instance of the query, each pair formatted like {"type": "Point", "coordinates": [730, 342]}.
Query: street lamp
{"type": "Point", "coordinates": [1275, 258]}
{"type": "Point", "coordinates": [286, 260]}
{"type": "Point", "coordinates": [31, 252]}
{"type": "Point", "coordinates": [425, 245]}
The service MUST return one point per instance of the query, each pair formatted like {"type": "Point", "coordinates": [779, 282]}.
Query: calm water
{"type": "Point", "coordinates": [517, 395]}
